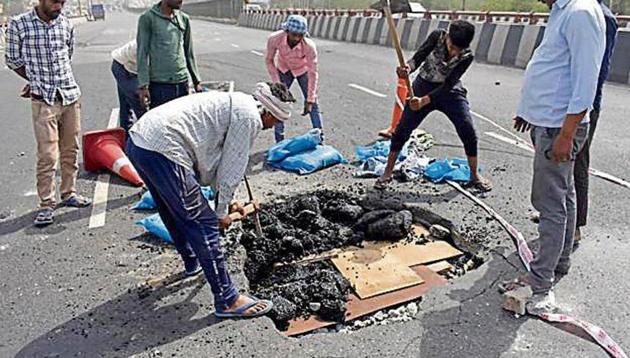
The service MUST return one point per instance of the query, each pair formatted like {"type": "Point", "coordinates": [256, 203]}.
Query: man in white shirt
{"type": "Point", "coordinates": [205, 138]}
{"type": "Point", "coordinates": [125, 70]}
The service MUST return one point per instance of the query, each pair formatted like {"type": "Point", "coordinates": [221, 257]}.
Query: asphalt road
{"type": "Point", "coordinates": [69, 291]}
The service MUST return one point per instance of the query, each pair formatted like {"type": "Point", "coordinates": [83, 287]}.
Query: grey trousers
{"type": "Point", "coordinates": [580, 174]}
{"type": "Point", "coordinates": [553, 195]}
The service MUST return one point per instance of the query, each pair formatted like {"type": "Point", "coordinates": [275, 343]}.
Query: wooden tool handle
{"type": "Point", "coordinates": [249, 209]}
{"type": "Point", "coordinates": [397, 46]}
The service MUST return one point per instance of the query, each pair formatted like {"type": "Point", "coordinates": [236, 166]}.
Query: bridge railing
{"type": "Point", "coordinates": [480, 16]}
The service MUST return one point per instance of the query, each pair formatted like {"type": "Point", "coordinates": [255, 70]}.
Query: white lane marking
{"type": "Point", "coordinates": [609, 177]}
{"type": "Point", "coordinates": [113, 118]}
{"type": "Point", "coordinates": [367, 90]}
{"type": "Point", "coordinates": [498, 126]}
{"type": "Point", "coordinates": [235, 45]}
{"type": "Point", "coordinates": [521, 143]}
{"type": "Point", "coordinates": [257, 53]}
{"type": "Point", "coordinates": [31, 193]}
{"type": "Point", "coordinates": [515, 142]}
{"type": "Point", "coordinates": [101, 190]}
{"type": "Point", "coordinates": [217, 39]}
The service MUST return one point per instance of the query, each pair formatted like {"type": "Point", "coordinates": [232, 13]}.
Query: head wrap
{"type": "Point", "coordinates": [279, 109]}
{"type": "Point", "coordinates": [297, 24]}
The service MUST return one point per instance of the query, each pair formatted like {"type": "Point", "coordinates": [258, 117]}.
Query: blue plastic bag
{"type": "Point", "coordinates": [454, 170]}
{"type": "Point", "coordinates": [146, 202]}
{"type": "Point", "coordinates": [295, 145]}
{"type": "Point", "coordinates": [308, 162]}
{"type": "Point", "coordinates": [154, 225]}
{"type": "Point", "coordinates": [378, 149]}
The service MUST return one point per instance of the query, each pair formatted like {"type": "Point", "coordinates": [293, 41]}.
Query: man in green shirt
{"type": "Point", "coordinates": [165, 54]}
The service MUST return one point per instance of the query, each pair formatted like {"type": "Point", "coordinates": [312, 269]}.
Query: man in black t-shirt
{"type": "Point", "coordinates": [441, 61]}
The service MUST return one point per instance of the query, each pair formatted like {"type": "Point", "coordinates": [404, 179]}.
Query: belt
{"type": "Point", "coordinates": [37, 97]}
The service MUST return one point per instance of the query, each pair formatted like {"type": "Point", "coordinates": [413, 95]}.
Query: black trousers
{"type": "Point", "coordinates": [580, 172]}
{"type": "Point", "coordinates": [453, 104]}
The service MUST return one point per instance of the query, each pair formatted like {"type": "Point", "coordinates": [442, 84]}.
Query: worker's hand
{"type": "Point", "coordinates": [26, 91]}
{"type": "Point", "coordinates": [144, 96]}
{"type": "Point", "coordinates": [416, 103]}
{"type": "Point", "coordinates": [521, 125]}
{"type": "Point", "coordinates": [403, 71]}
{"type": "Point", "coordinates": [308, 107]}
{"type": "Point", "coordinates": [561, 149]}
{"type": "Point", "coordinates": [235, 206]}
{"type": "Point", "coordinates": [198, 88]}
{"type": "Point", "coordinates": [225, 222]}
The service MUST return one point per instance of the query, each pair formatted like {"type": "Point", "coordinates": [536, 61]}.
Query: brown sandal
{"type": "Point", "coordinates": [382, 184]}
{"type": "Point", "coordinates": [481, 184]}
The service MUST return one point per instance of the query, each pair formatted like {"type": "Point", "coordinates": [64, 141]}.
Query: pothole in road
{"type": "Point", "coordinates": [307, 225]}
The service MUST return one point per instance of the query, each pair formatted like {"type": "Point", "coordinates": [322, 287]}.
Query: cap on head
{"type": "Point", "coordinates": [275, 98]}
{"type": "Point", "coordinates": [297, 24]}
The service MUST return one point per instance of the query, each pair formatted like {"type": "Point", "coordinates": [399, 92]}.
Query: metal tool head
{"type": "Point", "coordinates": [395, 5]}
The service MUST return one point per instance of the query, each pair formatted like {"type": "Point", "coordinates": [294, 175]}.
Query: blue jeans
{"type": "Point", "coordinates": [128, 99]}
{"type": "Point", "coordinates": [193, 225]}
{"type": "Point", "coordinates": [316, 118]}
{"type": "Point", "coordinates": [166, 92]}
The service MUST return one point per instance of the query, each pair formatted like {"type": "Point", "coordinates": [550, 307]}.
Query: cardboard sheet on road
{"type": "Point", "coordinates": [372, 271]}
{"type": "Point", "coordinates": [410, 254]}
{"type": "Point", "coordinates": [358, 308]}
{"type": "Point", "coordinates": [440, 267]}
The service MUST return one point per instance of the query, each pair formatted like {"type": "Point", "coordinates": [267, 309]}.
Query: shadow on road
{"type": "Point", "coordinates": [127, 324]}
{"type": "Point", "coordinates": [66, 216]}
{"type": "Point", "coordinates": [477, 326]}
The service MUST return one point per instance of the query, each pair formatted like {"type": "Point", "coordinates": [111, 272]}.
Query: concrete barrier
{"type": "Point", "coordinates": [510, 47]}
{"type": "Point", "coordinates": [495, 51]}
{"type": "Point", "coordinates": [497, 43]}
{"type": "Point", "coordinates": [620, 64]}
{"type": "Point", "coordinates": [226, 9]}
{"type": "Point", "coordinates": [414, 32]}
{"type": "Point", "coordinates": [485, 40]}
{"type": "Point", "coordinates": [352, 29]}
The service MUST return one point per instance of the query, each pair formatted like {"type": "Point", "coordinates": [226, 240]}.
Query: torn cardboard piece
{"type": "Point", "coordinates": [358, 307]}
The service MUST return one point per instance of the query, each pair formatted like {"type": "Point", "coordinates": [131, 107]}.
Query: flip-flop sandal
{"type": "Point", "coordinates": [44, 217]}
{"type": "Point", "coordinates": [513, 284]}
{"type": "Point", "coordinates": [386, 133]}
{"type": "Point", "coordinates": [77, 201]}
{"type": "Point", "coordinates": [239, 312]}
{"type": "Point", "coordinates": [382, 184]}
{"type": "Point", "coordinates": [196, 271]}
{"type": "Point", "coordinates": [483, 185]}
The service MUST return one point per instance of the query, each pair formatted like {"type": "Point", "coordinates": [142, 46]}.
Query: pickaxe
{"type": "Point", "coordinates": [395, 6]}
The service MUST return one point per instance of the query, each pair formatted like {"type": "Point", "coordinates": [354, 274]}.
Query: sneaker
{"type": "Point", "coordinates": [45, 217]}
{"type": "Point", "coordinates": [76, 201]}
{"type": "Point", "coordinates": [542, 303]}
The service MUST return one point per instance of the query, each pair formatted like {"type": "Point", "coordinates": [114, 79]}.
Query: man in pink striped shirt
{"type": "Point", "coordinates": [296, 59]}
